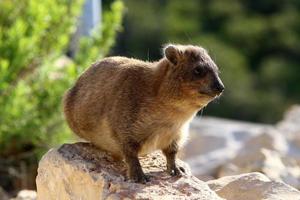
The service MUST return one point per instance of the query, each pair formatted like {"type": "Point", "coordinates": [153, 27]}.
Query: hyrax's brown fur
{"type": "Point", "coordinates": [130, 107]}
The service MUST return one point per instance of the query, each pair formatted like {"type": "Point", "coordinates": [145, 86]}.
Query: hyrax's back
{"type": "Point", "coordinates": [89, 103]}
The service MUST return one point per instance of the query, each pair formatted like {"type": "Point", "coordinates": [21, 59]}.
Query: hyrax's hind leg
{"type": "Point", "coordinates": [134, 169]}
{"type": "Point", "coordinates": [170, 153]}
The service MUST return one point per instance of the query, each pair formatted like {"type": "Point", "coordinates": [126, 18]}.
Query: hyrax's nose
{"type": "Point", "coordinates": [219, 86]}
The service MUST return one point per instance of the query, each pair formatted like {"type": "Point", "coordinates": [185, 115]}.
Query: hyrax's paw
{"type": "Point", "coordinates": [176, 171]}
{"type": "Point", "coordinates": [140, 178]}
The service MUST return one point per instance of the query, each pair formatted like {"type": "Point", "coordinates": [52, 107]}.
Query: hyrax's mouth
{"type": "Point", "coordinates": [213, 92]}
{"type": "Point", "coordinates": [211, 95]}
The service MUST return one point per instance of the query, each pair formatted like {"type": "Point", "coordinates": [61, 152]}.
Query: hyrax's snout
{"type": "Point", "coordinates": [217, 85]}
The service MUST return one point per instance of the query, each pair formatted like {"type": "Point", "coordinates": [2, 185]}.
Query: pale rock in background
{"type": "Point", "coordinates": [252, 186]}
{"type": "Point", "coordinates": [290, 125]}
{"type": "Point", "coordinates": [290, 128]}
{"type": "Point", "coordinates": [266, 161]}
{"type": "Point", "coordinates": [221, 147]}
{"type": "Point", "coordinates": [214, 141]}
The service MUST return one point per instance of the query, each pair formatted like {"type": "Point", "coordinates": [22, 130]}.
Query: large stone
{"type": "Point", "coordinates": [80, 171]}
{"type": "Point", "coordinates": [252, 186]}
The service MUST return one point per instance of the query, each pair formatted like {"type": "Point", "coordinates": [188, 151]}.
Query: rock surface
{"type": "Point", "coordinates": [252, 186]}
{"type": "Point", "coordinates": [80, 171]}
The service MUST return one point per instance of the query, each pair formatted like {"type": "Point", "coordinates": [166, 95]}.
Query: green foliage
{"type": "Point", "coordinates": [33, 72]}
{"type": "Point", "coordinates": [255, 43]}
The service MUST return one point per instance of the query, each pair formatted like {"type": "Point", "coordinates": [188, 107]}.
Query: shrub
{"type": "Point", "coordinates": [34, 74]}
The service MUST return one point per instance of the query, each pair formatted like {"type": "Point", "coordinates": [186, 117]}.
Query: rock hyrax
{"type": "Point", "coordinates": [130, 107]}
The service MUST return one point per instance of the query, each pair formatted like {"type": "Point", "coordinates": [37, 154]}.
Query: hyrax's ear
{"type": "Point", "coordinates": [172, 53]}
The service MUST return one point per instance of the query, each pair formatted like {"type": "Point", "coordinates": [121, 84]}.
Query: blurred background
{"type": "Point", "coordinates": [45, 45]}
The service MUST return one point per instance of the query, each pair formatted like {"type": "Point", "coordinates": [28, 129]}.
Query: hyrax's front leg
{"type": "Point", "coordinates": [170, 153]}
{"type": "Point", "coordinates": [134, 169]}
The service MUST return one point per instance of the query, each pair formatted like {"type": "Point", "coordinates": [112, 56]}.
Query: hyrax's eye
{"type": "Point", "coordinates": [200, 71]}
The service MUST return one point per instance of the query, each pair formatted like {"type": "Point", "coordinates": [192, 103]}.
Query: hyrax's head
{"type": "Point", "coordinates": [195, 73]}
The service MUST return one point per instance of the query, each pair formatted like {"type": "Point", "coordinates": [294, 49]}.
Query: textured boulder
{"type": "Point", "coordinates": [80, 171]}
{"type": "Point", "coordinates": [252, 186]}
